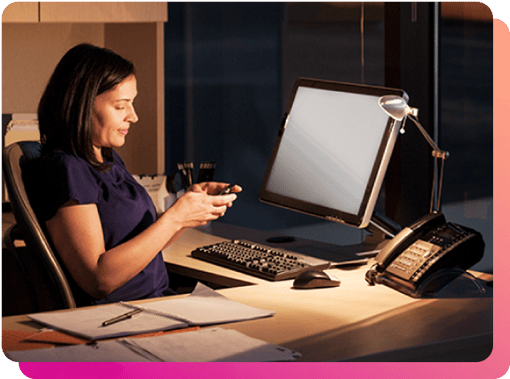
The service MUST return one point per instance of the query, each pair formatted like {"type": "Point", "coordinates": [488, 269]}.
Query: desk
{"type": "Point", "coordinates": [353, 322]}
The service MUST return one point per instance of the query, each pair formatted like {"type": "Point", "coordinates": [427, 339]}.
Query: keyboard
{"type": "Point", "coordinates": [259, 260]}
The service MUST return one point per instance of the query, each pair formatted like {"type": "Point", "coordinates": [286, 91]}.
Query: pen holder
{"type": "Point", "coordinates": [205, 173]}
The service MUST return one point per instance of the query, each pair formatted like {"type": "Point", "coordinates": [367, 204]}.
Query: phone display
{"type": "Point", "coordinates": [227, 189]}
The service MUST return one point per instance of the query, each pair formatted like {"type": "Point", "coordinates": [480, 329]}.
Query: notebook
{"type": "Point", "coordinates": [203, 306]}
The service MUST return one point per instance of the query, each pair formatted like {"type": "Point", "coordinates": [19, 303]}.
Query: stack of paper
{"type": "Point", "coordinates": [206, 345]}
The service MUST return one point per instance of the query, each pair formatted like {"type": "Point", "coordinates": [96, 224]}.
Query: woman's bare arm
{"type": "Point", "coordinates": [77, 235]}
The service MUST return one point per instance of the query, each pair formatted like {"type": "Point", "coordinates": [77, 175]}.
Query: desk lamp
{"type": "Point", "coordinates": [397, 108]}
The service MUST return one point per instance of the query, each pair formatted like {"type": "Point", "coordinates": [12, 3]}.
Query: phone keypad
{"type": "Point", "coordinates": [412, 259]}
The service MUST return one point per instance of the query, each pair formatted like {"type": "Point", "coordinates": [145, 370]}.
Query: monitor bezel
{"type": "Point", "coordinates": [364, 215]}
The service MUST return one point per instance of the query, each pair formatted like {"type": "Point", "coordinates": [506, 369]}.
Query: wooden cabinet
{"type": "Point", "coordinates": [21, 12]}
{"type": "Point", "coordinates": [103, 12]}
{"type": "Point", "coordinates": [36, 35]}
{"type": "Point", "coordinates": [85, 12]}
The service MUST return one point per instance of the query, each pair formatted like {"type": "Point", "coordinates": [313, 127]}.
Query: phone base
{"type": "Point", "coordinates": [465, 283]}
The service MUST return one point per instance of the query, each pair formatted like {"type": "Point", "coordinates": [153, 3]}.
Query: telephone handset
{"type": "Point", "coordinates": [427, 255]}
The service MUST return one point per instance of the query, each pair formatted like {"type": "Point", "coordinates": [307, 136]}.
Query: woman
{"type": "Point", "coordinates": [101, 222]}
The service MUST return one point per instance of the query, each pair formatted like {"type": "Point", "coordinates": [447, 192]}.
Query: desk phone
{"type": "Point", "coordinates": [426, 256]}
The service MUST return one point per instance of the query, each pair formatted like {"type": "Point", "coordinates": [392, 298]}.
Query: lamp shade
{"type": "Point", "coordinates": [395, 106]}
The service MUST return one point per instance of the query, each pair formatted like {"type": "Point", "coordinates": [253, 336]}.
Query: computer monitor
{"type": "Point", "coordinates": [332, 151]}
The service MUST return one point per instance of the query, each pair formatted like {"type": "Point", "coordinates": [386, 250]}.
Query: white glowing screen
{"type": "Point", "coordinates": [328, 148]}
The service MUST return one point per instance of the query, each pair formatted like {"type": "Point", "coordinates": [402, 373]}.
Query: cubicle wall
{"type": "Point", "coordinates": [36, 35]}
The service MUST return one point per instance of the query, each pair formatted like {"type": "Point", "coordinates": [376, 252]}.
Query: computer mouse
{"type": "Point", "coordinates": [315, 279]}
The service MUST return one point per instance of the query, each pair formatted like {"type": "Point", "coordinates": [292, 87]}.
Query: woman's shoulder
{"type": "Point", "coordinates": [56, 178]}
{"type": "Point", "coordinates": [62, 159]}
{"type": "Point", "coordinates": [60, 164]}
{"type": "Point", "coordinates": [65, 158]}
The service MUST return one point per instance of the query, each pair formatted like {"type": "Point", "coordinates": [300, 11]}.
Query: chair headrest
{"type": "Point", "coordinates": [31, 150]}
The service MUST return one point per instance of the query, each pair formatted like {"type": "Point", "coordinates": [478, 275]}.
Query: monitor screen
{"type": "Point", "coordinates": [332, 151]}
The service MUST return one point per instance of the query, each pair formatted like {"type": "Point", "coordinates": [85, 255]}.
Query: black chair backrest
{"type": "Point", "coordinates": [38, 246]}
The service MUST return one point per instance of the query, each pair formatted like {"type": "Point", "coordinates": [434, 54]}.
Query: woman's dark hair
{"type": "Point", "coordinates": [66, 106]}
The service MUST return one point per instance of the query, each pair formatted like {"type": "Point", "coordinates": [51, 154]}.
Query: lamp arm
{"type": "Point", "coordinates": [437, 152]}
{"type": "Point", "coordinates": [398, 109]}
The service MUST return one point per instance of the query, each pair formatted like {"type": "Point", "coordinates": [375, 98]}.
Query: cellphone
{"type": "Point", "coordinates": [227, 189]}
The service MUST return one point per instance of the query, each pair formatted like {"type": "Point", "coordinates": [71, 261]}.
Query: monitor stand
{"type": "Point", "coordinates": [380, 230]}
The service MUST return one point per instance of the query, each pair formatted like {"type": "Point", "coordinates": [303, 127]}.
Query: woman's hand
{"type": "Point", "coordinates": [215, 188]}
{"type": "Point", "coordinates": [200, 204]}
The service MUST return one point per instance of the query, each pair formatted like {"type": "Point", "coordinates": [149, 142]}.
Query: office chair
{"type": "Point", "coordinates": [49, 287]}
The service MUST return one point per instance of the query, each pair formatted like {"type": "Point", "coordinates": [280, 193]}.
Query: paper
{"type": "Point", "coordinates": [205, 307]}
{"type": "Point", "coordinates": [207, 345]}
{"type": "Point", "coordinates": [202, 307]}
{"type": "Point", "coordinates": [214, 345]}
{"type": "Point", "coordinates": [110, 351]}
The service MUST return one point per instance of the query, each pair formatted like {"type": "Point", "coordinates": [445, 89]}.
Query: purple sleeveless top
{"type": "Point", "coordinates": [124, 207]}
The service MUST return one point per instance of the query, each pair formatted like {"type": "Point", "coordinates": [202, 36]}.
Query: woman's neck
{"type": "Point", "coordinates": [99, 154]}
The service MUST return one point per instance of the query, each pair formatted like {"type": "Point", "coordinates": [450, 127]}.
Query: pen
{"type": "Point", "coordinates": [188, 166]}
{"type": "Point", "coordinates": [123, 317]}
{"type": "Point", "coordinates": [184, 175]}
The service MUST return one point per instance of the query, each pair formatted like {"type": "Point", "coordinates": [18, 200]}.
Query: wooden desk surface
{"type": "Point", "coordinates": [357, 321]}
{"type": "Point", "coordinates": [351, 322]}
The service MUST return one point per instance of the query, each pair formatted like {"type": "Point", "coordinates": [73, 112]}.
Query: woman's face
{"type": "Point", "coordinates": [112, 116]}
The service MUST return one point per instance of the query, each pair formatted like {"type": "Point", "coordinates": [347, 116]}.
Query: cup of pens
{"type": "Point", "coordinates": [205, 173]}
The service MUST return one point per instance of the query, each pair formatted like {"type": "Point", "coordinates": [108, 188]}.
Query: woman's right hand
{"type": "Point", "coordinates": [196, 207]}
